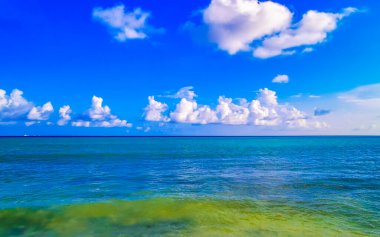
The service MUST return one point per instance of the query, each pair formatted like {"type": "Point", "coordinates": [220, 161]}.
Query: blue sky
{"type": "Point", "coordinates": [66, 52]}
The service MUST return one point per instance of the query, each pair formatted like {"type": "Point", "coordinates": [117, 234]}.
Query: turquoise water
{"type": "Point", "coordinates": [190, 186]}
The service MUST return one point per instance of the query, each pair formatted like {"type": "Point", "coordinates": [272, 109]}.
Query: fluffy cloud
{"type": "Point", "coordinates": [41, 112]}
{"type": "Point", "coordinates": [281, 79]}
{"type": "Point", "coordinates": [189, 112]}
{"type": "Point", "coordinates": [234, 25]}
{"type": "Point", "coordinates": [64, 115]}
{"type": "Point", "coordinates": [230, 113]}
{"type": "Point", "coordinates": [15, 108]}
{"type": "Point", "coordinates": [185, 92]}
{"type": "Point", "coordinates": [312, 29]}
{"type": "Point", "coordinates": [262, 111]}
{"type": "Point", "coordinates": [154, 110]}
{"type": "Point", "coordinates": [125, 25]}
{"type": "Point", "coordinates": [97, 116]}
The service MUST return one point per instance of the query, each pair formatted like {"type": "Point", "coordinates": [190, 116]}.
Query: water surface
{"type": "Point", "coordinates": [190, 186]}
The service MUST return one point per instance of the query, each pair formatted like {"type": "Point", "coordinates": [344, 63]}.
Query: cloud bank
{"type": "Point", "coordinates": [14, 108]}
{"type": "Point", "coordinates": [96, 116]}
{"type": "Point", "coordinates": [265, 110]}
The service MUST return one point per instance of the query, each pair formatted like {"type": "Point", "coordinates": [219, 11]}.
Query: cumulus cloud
{"type": "Point", "coordinates": [235, 24]}
{"type": "Point", "coordinates": [239, 25]}
{"type": "Point", "coordinates": [97, 116]}
{"type": "Point", "coordinates": [15, 108]}
{"type": "Point", "coordinates": [41, 112]}
{"type": "Point", "coordinates": [154, 110]}
{"type": "Point", "coordinates": [125, 25]}
{"type": "Point", "coordinates": [281, 79]}
{"type": "Point", "coordinates": [189, 112]}
{"type": "Point", "coordinates": [312, 29]}
{"type": "Point", "coordinates": [230, 113]}
{"type": "Point", "coordinates": [64, 115]}
{"type": "Point", "coordinates": [265, 110]}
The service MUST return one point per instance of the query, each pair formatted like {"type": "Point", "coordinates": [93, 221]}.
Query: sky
{"type": "Point", "coordinates": [201, 67]}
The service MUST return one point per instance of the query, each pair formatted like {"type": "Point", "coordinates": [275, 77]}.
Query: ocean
{"type": "Point", "coordinates": [190, 186]}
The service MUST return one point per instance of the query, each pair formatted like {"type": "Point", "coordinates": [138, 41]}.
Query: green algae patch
{"type": "Point", "coordinates": [176, 217]}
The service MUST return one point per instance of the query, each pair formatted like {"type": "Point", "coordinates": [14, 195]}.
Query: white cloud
{"type": "Point", "coordinates": [346, 112]}
{"type": "Point", "coordinates": [281, 79]}
{"type": "Point", "coordinates": [267, 97]}
{"type": "Point", "coordinates": [312, 29]}
{"type": "Point", "coordinates": [239, 25]}
{"type": "Point", "coordinates": [125, 25]}
{"type": "Point", "coordinates": [189, 112]}
{"type": "Point", "coordinates": [15, 108]}
{"type": "Point", "coordinates": [41, 112]}
{"type": "Point", "coordinates": [263, 111]}
{"type": "Point", "coordinates": [367, 96]}
{"type": "Point", "coordinates": [98, 116]}
{"type": "Point", "coordinates": [97, 111]}
{"type": "Point", "coordinates": [230, 113]}
{"type": "Point", "coordinates": [307, 50]}
{"type": "Point", "coordinates": [235, 24]}
{"type": "Point", "coordinates": [30, 123]}
{"type": "Point", "coordinates": [64, 115]}
{"type": "Point", "coordinates": [185, 92]}
{"type": "Point", "coordinates": [154, 110]}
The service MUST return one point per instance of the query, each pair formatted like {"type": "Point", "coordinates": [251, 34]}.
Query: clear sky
{"type": "Point", "coordinates": [201, 67]}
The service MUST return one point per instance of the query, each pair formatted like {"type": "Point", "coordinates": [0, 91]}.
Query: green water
{"type": "Point", "coordinates": [183, 217]}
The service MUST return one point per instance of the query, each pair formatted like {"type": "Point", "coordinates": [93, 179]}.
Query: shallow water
{"type": "Point", "coordinates": [260, 186]}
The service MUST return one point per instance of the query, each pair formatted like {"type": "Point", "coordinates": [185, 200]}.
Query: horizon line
{"type": "Point", "coordinates": [168, 136]}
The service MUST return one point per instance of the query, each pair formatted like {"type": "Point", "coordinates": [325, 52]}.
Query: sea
{"type": "Point", "coordinates": [189, 186]}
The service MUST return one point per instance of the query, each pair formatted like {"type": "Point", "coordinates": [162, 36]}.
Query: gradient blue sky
{"type": "Point", "coordinates": [58, 51]}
